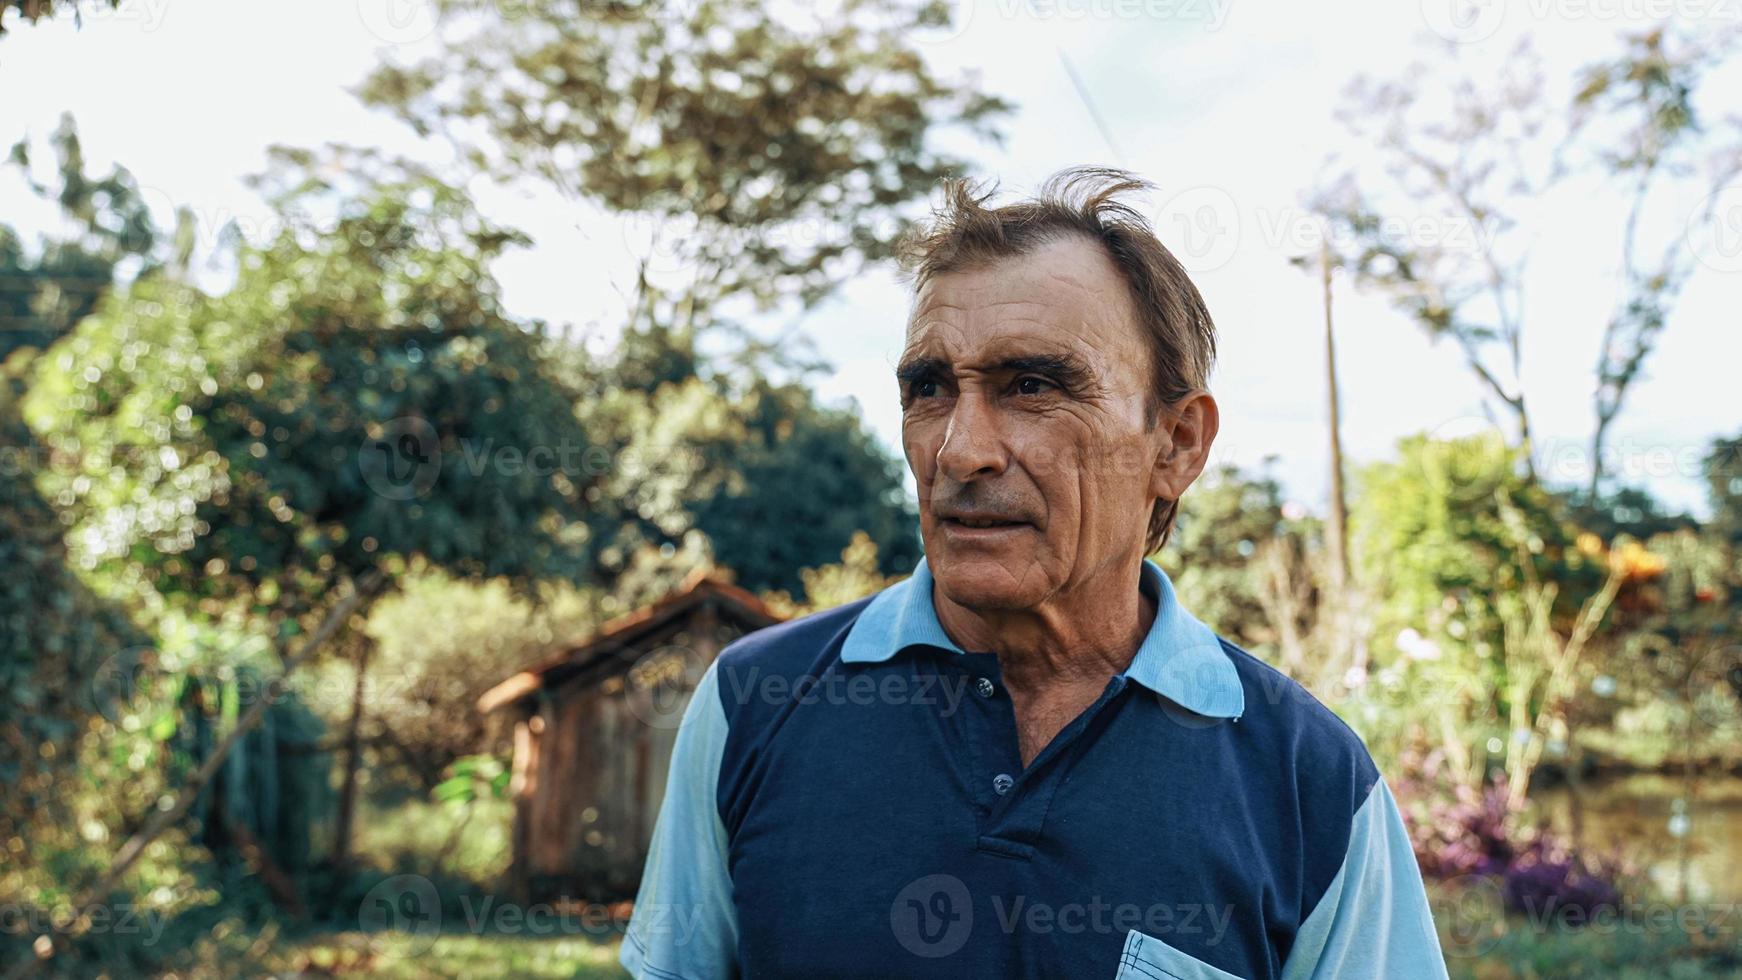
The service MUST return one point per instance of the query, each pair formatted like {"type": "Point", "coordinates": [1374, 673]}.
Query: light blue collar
{"type": "Point", "coordinates": [1180, 658]}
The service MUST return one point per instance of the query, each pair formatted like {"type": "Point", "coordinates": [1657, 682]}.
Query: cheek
{"type": "Point", "coordinates": [1053, 456]}
{"type": "Point", "coordinates": [920, 440]}
{"type": "Point", "coordinates": [1083, 469]}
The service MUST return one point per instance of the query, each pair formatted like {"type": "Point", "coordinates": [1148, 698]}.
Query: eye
{"type": "Point", "coordinates": [1032, 385]}
{"type": "Point", "coordinates": [923, 388]}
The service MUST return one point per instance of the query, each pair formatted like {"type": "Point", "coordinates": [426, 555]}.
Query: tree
{"type": "Point", "coordinates": [807, 478]}
{"type": "Point", "coordinates": [1486, 586]}
{"type": "Point", "coordinates": [1469, 161]}
{"type": "Point", "coordinates": [43, 296]}
{"type": "Point", "coordinates": [732, 454]}
{"type": "Point", "coordinates": [854, 577]}
{"type": "Point", "coordinates": [1460, 161]}
{"type": "Point", "coordinates": [440, 642]}
{"type": "Point", "coordinates": [280, 449]}
{"type": "Point", "coordinates": [1231, 527]}
{"type": "Point", "coordinates": [1636, 115]}
{"type": "Point", "coordinates": [35, 10]}
{"type": "Point", "coordinates": [1723, 465]}
{"type": "Point", "coordinates": [1325, 263]}
{"type": "Point", "coordinates": [761, 158]}
{"type": "Point", "coordinates": [63, 646]}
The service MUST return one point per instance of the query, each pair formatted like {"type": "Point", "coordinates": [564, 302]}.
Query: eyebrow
{"type": "Point", "coordinates": [1068, 370]}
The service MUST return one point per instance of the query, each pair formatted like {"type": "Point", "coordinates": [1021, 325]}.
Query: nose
{"type": "Point", "coordinates": [973, 444]}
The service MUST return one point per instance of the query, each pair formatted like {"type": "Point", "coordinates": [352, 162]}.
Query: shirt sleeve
{"type": "Point", "coordinates": [1373, 921]}
{"type": "Point", "coordinates": [684, 926]}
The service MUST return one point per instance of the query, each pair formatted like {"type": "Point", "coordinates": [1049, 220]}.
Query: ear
{"type": "Point", "coordinates": [1187, 428]}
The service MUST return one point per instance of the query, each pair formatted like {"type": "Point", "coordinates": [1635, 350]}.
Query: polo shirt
{"type": "Point", "coordinates": [846, 799]}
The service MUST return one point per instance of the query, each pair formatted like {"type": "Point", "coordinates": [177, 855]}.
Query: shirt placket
{"type": "Point", "coordinates": [1012, 801]}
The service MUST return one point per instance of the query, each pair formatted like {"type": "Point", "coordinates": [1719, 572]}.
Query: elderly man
{"type": "Point", "coordinates": [1027, 759]}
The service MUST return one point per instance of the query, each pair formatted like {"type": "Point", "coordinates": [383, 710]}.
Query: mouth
{"type": "Point", "coordinates": [979, 526]}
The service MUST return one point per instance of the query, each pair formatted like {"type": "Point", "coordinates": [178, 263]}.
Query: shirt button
{"type": "Point", "coordinates": [1001, 783]}
{"type": "Point", "coordinates": [983, 687]}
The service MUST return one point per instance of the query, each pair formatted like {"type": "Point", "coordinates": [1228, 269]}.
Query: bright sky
{"type": "Point", "coordinates": [1225, 104]}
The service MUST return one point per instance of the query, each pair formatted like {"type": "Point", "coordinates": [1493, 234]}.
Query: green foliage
{"type": "Point", "coordinates": [34, 10]}
{"type": "Point", "coordinates": [731, 457]}
{"type": "Point", "coordinates": [764, 156]}
{"type": "Point", "coordinates": [1723, 466]}
{"type": "Point", "coordinates": [341, 404]}
{"type": "Point", "coordinates": [807, 479]}
{"type": "Point", "coordinates": [43, 295]}
{"type": "Point", "coordinates": [1226, 524]}
{"type": "Point", "coordinates": [854, 577]}
{"type": "Point", "coordinates": [440, 642]}
{"type": "Point", "coordinates": [1626, 510]}
{"type": "Point", "coordinates": [1430, 527]}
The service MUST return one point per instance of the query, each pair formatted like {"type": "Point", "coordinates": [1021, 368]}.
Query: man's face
{"type": "Point", "coordinates": [1023, 392]}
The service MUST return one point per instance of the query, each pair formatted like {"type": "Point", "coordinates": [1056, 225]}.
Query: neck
{"type": "Point", "coordinates": [1085, 632]}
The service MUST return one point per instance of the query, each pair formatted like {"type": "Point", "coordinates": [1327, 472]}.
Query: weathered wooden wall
{"type": "Point", "coordinates": [591, 759]}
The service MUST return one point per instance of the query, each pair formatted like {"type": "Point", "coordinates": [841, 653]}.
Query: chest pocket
{"type": "Point", "coordinates": [1148, 958]}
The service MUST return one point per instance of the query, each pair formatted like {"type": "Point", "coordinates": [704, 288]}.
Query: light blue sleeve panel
{"type": "Point", "coordinates": [684, 926]}
{"type": "Point", "coordinates": [1373, 921]}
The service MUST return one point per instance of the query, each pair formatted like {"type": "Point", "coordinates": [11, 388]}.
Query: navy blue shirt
{"type": "Point", "coordinates": [847, 799]}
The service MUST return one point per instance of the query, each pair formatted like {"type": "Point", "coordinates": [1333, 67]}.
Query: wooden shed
{"type": "Point", "coordinates": [594, 726]}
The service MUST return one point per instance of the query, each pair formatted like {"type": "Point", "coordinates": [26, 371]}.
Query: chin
{"type": "Point", "coordinates": [981, 583]}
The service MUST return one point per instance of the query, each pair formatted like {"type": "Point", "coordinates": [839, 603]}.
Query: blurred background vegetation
{"type": "Point", "coordinates": [264, 547]}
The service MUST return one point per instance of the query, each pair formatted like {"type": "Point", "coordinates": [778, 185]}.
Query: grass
{"type": "Point", "coordinates": [1639, 946]}
{"type": "Point", "coordinates": [403, 956]}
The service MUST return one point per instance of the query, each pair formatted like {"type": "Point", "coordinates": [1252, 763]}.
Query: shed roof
{"type": "Point", "coordinates": [618, 636]}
